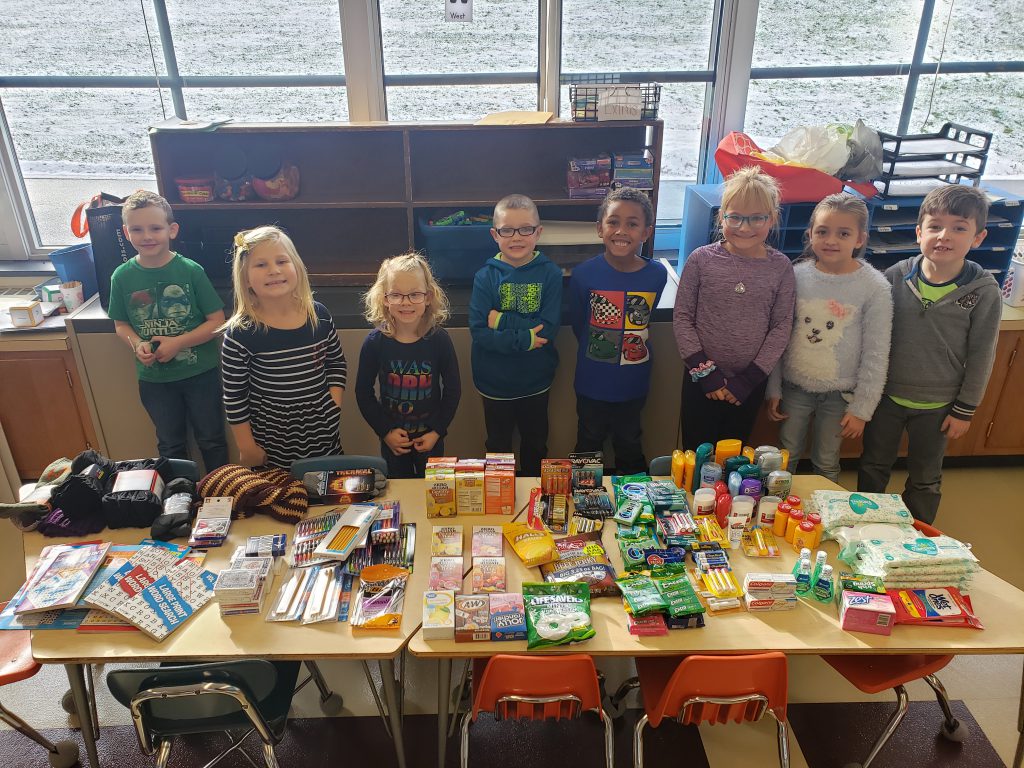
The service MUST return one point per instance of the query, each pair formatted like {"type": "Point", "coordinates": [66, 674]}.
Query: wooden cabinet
{"type": "Point", "coordinates": [42, 409]}
{"type": "Point", "coordinates": [997, 428]}
{"type": "Point", "coordinates": [364, 187]}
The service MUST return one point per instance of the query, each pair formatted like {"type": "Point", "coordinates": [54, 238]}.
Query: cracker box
{"type": "Point", "coordinates": [439, 614]}
{"type": "Point", "coordinates": [472, 618]}
{"type": "Point", "coordinates": [469, 487]}
{"type": "Point", "coordinates": [440, 480]}
{"type": "Point", "coordinates": [864, 612]}
{"type": "Point", "coordinates": [508, 616]}
{"type": "Point", "coordinates": [488, 541]}
{"type": "Point", "coordinates": [488, 574]}
{"type": "Point", "coordinates": [500, 485]}
{"type": "Point", "coordinates": [445, 573]}
{"type": "Point", "coordinates": [446, 540]}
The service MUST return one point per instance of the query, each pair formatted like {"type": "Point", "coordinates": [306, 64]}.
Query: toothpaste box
{"type": "Point", "coordinates": [757, 603]}
{"type": "Point", "coordinates": [439, 614]}
{"type": "Point", "coordinates": [472, 618]}
{"type": "Point", "coordinates": [508, 616]}
{"type": "Point", "coordinates": [864, 612]}
{"type": "Point", "coordinates": [770, 585]}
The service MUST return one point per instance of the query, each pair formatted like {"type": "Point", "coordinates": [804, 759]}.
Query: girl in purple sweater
{"type": "Point", "coordinates": [733, 314]}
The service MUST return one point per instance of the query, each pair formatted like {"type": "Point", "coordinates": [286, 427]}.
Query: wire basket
{"type": "Point", "coordinates": [584, 98]}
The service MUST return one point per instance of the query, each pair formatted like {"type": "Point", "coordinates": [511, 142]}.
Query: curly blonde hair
{"type": "Point", "coordinates": [436, 311]}
{"type": "Point", "coordinates": [246, 314]}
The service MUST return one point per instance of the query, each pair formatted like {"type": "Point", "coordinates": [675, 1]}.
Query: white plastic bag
{"type": "Point", "coordinates": [823, 147]}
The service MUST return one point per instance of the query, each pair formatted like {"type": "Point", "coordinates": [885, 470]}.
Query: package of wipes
{"type": "Point", "coordinates": [839, 508]}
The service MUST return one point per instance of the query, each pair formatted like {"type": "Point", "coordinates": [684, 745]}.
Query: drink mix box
{"type": "Point", "coordinates": [445, 574]}
{"type": "Point", "coordinates": [440, 486]}
{"type": "Point", "coordinates": [488, 541]}
{"type": "Point", "coordinates": [500, 484]}
{"type": "Point", "coordinates": [508, 616]}
{"type": "Point", "coordinates": [472, 618]}
{"type": "Point", "coordinates": [488, 574]}
{"type": "Point", "coordinates": [469, 487]}
{"type": "Point", "coordinates": [446, 540]}
{"type": "Point", "coordinates": [438, 615]}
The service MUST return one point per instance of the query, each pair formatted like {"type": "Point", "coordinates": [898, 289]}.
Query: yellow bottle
{"type": "Point", "coordinates": [689, 464]}
{"type": "Point", "coordinates": [748, 451]}
{"type": "Point", "coordinates": [678, 464]}
{"type": "Point", "coordinates": [725, 449]}
{"type": "Point", "coordinates": [785, 458]}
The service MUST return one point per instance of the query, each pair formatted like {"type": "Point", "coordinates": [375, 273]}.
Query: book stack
{"type": "Point", "coordinates": [589, 178]}
{"type": "Point", "coordinates": [212, 523]}
{"type": "Point", "coordinates": [633, 168]}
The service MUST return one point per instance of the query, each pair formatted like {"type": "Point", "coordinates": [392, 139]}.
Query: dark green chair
{"type": "Point", "coordinates": [661, 466]}
{"type": "Point", "coordinates": [165, 702]}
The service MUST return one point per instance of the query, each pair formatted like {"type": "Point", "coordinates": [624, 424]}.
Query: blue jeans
{"type": "Point", "coordinates": [825, 410]}
{"type": "Point", "coordinates": [196, 401]}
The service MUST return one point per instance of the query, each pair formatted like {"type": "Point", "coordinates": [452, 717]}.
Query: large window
{"type": "Point", "coordinates": [80, 85]}
{"type": "Point", "coordinates": [420, 47]}
{"type": "Point", "coordinates": [667, 40]}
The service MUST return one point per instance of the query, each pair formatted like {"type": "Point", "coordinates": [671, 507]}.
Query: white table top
{"type": "Point", "coordinates": [810, 628]}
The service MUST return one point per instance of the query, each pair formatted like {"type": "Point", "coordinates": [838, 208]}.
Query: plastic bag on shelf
{"type": "Point", "coordinates": [823, 147]}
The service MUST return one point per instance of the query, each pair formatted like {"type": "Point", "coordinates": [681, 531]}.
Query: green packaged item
{"type": "Point", "coordinates": [665, 497]}
{"type": "Point", "coordinates": [557, 614]}
{"type": "Point", "coordinates": [679, 594]}
{"type": "Point", "coordinates": [705, 452]}
{"type": "Point", "coordinates": [634, 488]}
{"type": "Point", "coordinates": [635, 533]}
{"type": "Point", "coordinates": [628, 512]}
{"type": "Point", "coordinates": [856, 582]}
{"type": "Point", "coordinates": [633, 552]}
{"type": "Point", "coordinates": [733, 464]}
{"type": "Point", "coordinates": [641, 595]}
{"type": "Point", "coordinates": [749, 470]}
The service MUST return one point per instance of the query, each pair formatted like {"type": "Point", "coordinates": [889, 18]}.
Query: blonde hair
{"type": "Point", "coordinates": [377, 314]}
{"type": "Point", "coordinates": [840, 202]}
{"type": "Point", "coordinates": [517, 203]}
{"type": "Point", "coordinates": [753, 186]}
{"type": "Point", "coordinates": [246, 314]}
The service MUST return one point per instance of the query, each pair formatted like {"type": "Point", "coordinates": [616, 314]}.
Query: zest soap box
{"type": "Point", "coordinates": [864, 612]}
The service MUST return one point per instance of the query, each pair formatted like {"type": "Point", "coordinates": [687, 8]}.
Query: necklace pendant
{"type": "Point", "coordinates": [740, 288]}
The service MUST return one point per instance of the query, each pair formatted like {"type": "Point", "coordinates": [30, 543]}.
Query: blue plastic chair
{"type": "Point", "coordinates": [661, 466]}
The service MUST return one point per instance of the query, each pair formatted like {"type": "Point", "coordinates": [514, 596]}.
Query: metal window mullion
{"type": "Point", "coordinates": [549, 53]}
{"type": "Point", "coordinates": [163, 24]}
{"type": "Point", "coordinates": [920, 47]}
{"type": "Point", "coordinates": [19, 237]}
{"type": "Point", "coordinates": [730, 55]}
{"type": "Point", "coordinates": [362, 50]}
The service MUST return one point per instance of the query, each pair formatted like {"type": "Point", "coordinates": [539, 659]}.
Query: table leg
{"type": "Point", "coordinates": [387, 681]}
{"type": "Point", "coordinates": [1018, 756]}
{"type": "Point", "coordinates": [444, 685]}
{"type": "Point", "coordinates": [76, 678]}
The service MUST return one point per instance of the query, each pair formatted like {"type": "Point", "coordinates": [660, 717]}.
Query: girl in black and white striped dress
{"type": "Point", "coordinates": [282, 363]}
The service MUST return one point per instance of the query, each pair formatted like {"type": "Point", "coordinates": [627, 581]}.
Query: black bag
{"type": "Point", "coordinates": [110, 246]}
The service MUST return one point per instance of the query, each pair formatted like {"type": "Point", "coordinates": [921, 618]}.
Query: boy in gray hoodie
{"type": "Point", "coordinates": [945, 325]}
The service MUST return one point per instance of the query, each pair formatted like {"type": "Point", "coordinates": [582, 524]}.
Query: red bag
{"type": "Point", "coordinates": [798, 185]}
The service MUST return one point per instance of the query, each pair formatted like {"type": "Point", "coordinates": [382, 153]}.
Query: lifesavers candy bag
{"type": "Point", "coordinates": [557, 614]}
{"type": "Point", "coordinates": [533, 547]}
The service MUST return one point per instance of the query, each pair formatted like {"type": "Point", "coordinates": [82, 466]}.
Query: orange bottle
{"type": "Point", "coordinates": [804, 536]}
{"type": "Point", "coordinates": [781, 519]}
{"type": "Point", "coordinates": [815, 520]}
{"type": "Point", "coordinates": [796, 517]}
{"type": "Point", "coordinates": [678, 463]}
{"type": "Point", "coordinates": [725, 449]}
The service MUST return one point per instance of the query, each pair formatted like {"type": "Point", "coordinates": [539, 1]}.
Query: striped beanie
{"type": "Point", "coordinates": [271, 492]}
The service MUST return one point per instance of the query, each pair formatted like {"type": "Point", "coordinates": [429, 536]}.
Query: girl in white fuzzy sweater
{"type": "Point", "coordinates": [833, 371]}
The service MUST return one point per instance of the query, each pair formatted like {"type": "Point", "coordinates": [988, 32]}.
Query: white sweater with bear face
{"type": "Point", "coordinates": [840, 341]}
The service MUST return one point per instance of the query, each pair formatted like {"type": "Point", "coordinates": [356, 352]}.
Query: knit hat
{"type": "Point", "coordinates": [273, 492]}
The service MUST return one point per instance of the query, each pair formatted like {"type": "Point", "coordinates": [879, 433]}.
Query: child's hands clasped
{"type": "Point", "coordinates": [723, 394]}
{"type": "Point", "coordinates": [955, 428]}
{"type": "Point", "coordinates": [167, 349]}
{"type": "Point", "coordinates": [398, 441]}
{"type": "Point", "coordinates": [853, 427]}
{"type": "Point", "coordinates": [426, 442]}
{"type": "Point", "coordinates": [773, 409]}
{"type": "Point", "coordinates": [144, 353]}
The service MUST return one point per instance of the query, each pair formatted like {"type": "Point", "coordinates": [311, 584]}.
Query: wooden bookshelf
{"type": "Point", "coordinates": [364, 186]}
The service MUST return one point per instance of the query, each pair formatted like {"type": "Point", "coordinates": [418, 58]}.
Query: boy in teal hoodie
{"type": "Point", "coordinates": [514, 314]}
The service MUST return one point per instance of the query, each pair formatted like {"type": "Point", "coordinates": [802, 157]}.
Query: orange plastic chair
{"type": "Point", "coordinates": [16, 664]}
{"type": "Point", "coordinates": [537, 688]}
{"type": "Point", "coordinates": [713, 689]}
{"type": "Point", "coordinates": [874, 674]}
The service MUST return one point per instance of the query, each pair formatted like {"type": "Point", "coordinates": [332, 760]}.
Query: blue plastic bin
{"type": "Point", "coordinates": [457, 252]}
{"type": "Point", "coordinates": [76, 263]}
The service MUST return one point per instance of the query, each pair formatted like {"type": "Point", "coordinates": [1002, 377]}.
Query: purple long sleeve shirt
{"type": "Point", "coordinates": [736, 312]}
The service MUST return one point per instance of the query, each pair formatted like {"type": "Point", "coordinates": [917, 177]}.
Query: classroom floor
{"type": "Point", "coordinates": [832, 723]}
